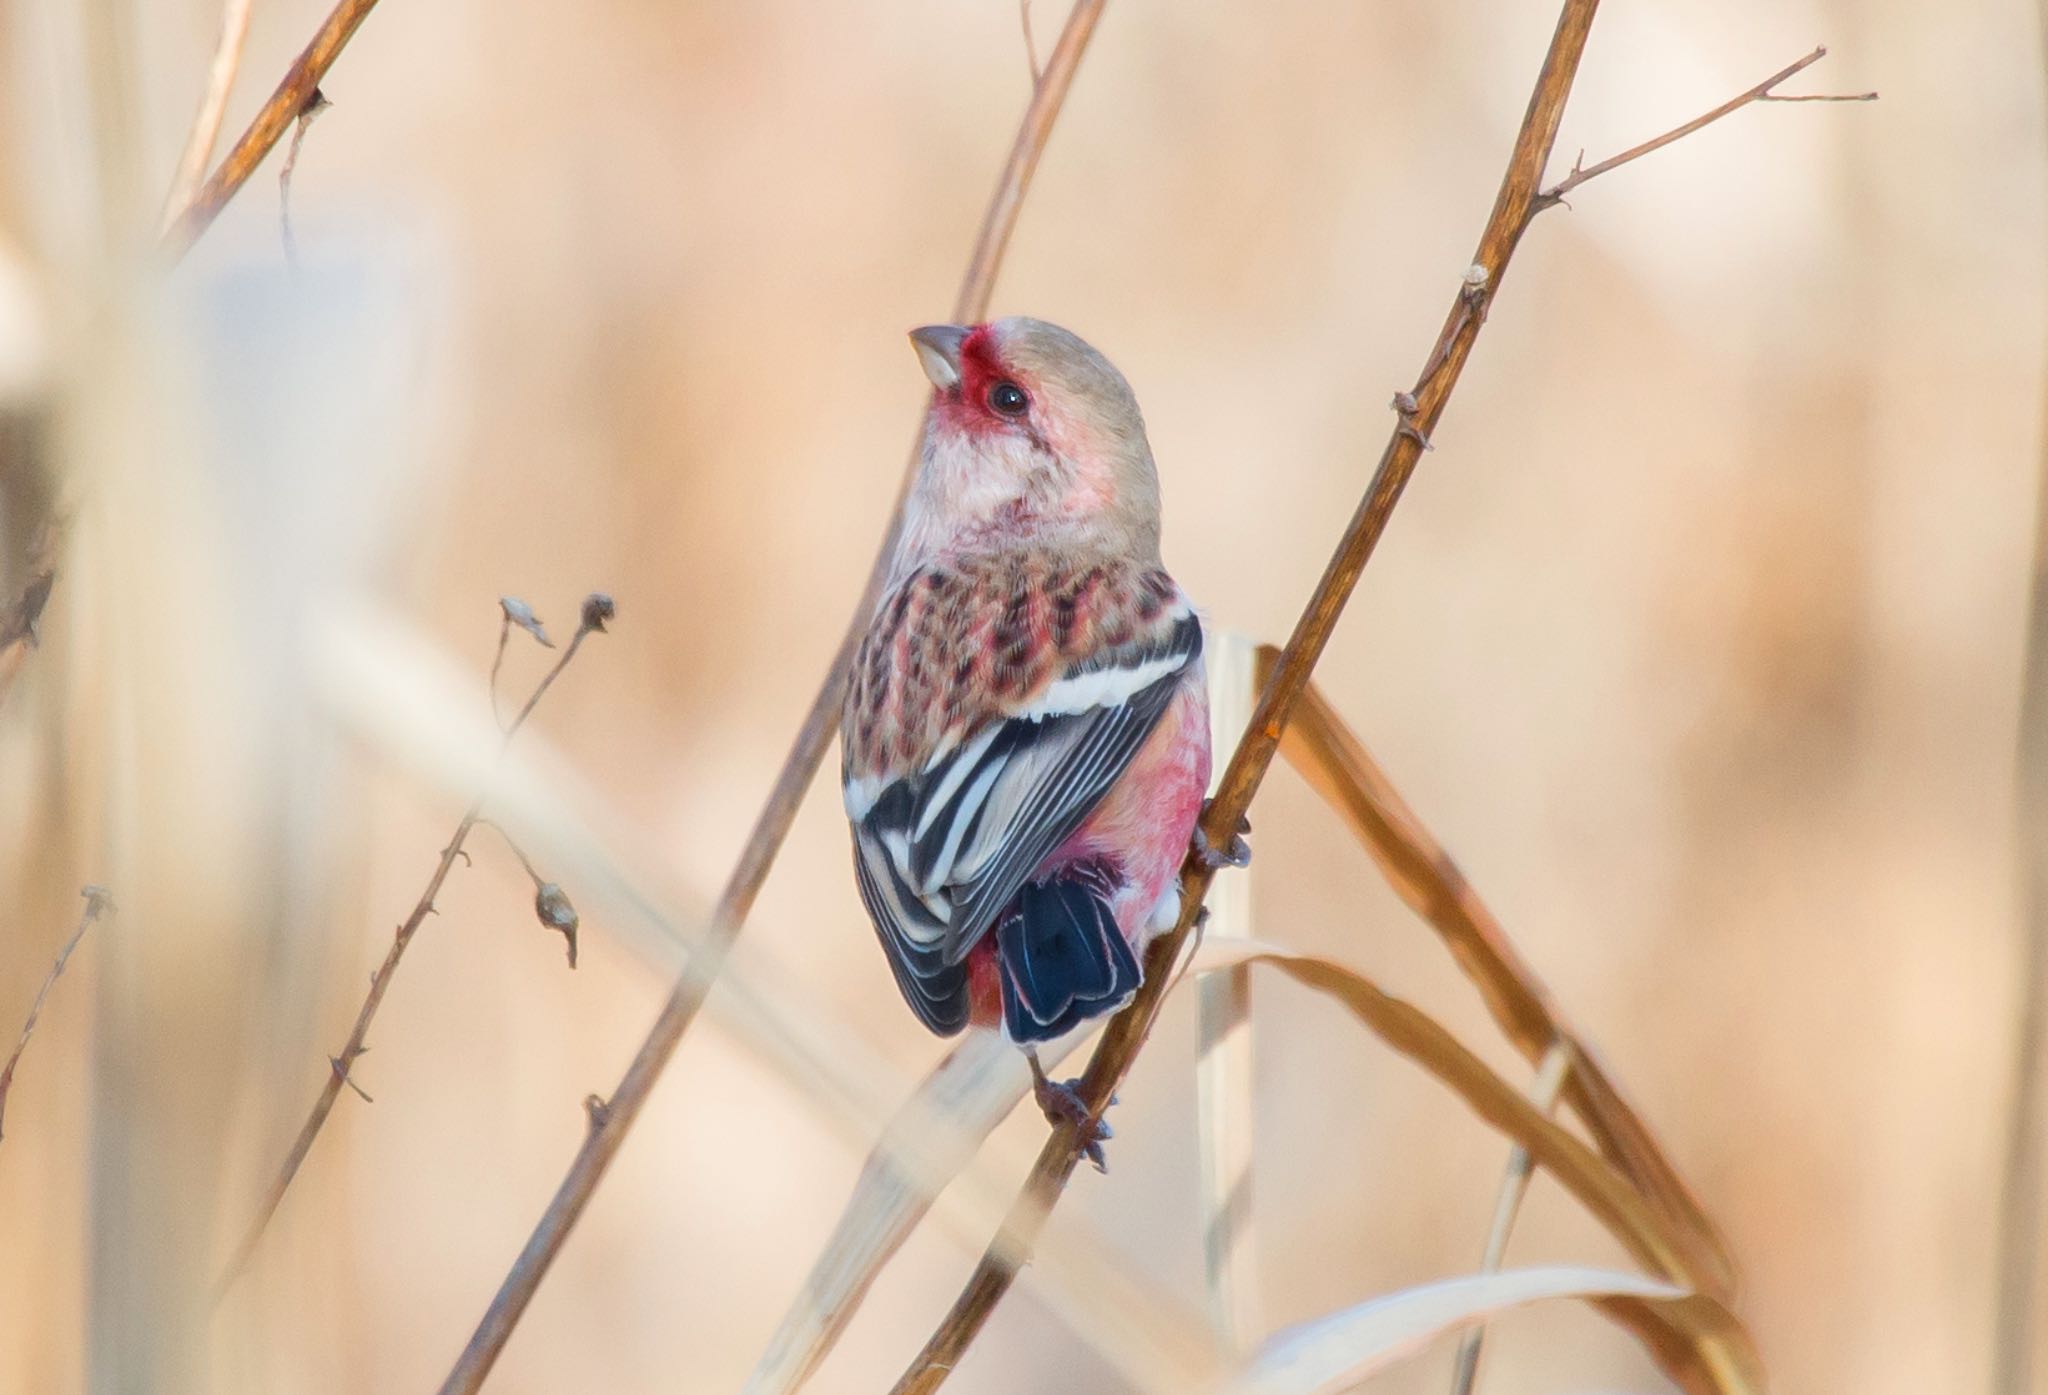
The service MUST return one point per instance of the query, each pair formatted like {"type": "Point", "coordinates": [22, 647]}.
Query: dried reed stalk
{"type": "Point", "coordinates": [1337, 766]}
{"type": "Point", "coordinates": [597, 609]}
{"type": "Point", "coordinates": [807, 753]}
{"type": "Point", "coordinates": [2023, 1178]}
{"type": "Point", "coordinates": [213, 107]}
{"type": "Point", "coordinates": [1520, 199]}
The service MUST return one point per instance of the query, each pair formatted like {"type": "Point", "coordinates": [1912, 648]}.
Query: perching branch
{"type": "Point", "coordinates": [1418, 410]}
{"type": "Point", "coordinates": [597, 610]}
{"type": "Point", "coordinates": [1764, 91]}
{"type": "Point", "coordinates": [610, 1126]}
{"type": "Point", "coordinates": [97, 903]}
{"type": "Point", "coordinates": [213, 106]}
{"type": "Point", "coordinates": [287, 104]}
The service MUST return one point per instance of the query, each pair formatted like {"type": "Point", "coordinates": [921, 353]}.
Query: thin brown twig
{"type": "Point", "coordinates": [1514, 1185]}
{"type": "Point", "coordinates": [610, 1126]}
{"type": "Point", "coordinates": [285, 106]}
{"type": "Point", "coordinates": [97, 903]}
{"type": "Point", "coordinates": [596, 610]}
{"type": "Point", "coordinates": [1513, 207]}
{"type": "Point", "coordinates": [1419, 410]}
{"type": "Point", "coordinates": [213, 108]}
{"type": "Point", "coordinates": [1762, 92]}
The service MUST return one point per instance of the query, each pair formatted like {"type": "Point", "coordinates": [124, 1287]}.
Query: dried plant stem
{"type": "Point", "coordinates": [294, 92]}
{"type": "Point", "coordinates": [1762, 92]}
{"type": "Point", "coordinates": [1424, 875]}
{"type": "Point", "coordinates": [2017, 1315]}
{"type": "Point", "coordinates": [213, 107]}
{"type": "Point", "coordinates": [1517, 203]}
{"type": "Point", "coordinates": [97, 903]}
{"type": "Point", "coordinates": [1514, 1185]}
{"type": "Point", "coordinates": [380, 984]}
{"type": "Point", "coordinates": [612, 1123]}
{"type": "Point", "coordinates": [1419, 410]}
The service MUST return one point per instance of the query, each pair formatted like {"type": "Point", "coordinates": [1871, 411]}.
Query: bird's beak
{"type": "Point", "coordinates": [938, 349]}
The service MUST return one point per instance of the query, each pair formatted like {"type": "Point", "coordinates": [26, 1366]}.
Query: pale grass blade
{"type": "Point", "coordinates": [1223, 1071]}
{"type": "Point", "coordinates": [1334, 1353]}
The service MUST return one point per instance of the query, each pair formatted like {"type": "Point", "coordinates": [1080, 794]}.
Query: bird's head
{"type": "Point", "coordinates": [1033, 438]}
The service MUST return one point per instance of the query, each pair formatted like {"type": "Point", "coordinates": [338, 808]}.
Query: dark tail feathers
{"type": "Point", "coordinates": [1063, 960]}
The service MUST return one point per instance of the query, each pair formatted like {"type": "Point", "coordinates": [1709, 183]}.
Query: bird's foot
{"type": "Point", "coordinates": [1236, 853]}
{"type": "Point", "coordinates": [1061, 1103]}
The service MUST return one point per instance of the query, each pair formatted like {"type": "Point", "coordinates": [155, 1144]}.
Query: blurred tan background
{"type": "Point", "coordinates": [1697, 639]}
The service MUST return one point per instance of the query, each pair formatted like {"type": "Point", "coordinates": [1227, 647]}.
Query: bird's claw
{"type": "Point", "coordinates": [1061, 1103]}
{"type": "Point", "coordinates": [1235, 853]}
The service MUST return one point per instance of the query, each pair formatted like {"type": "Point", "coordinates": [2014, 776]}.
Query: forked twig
{"type": "Point", "coordinates": [607, 1132]}
{"type": "Point", "coordinates": [597, 610]}
{"type": "Point", "coordinates": [213, 106]}
{"type": "Point", "coordinates": [97, 903]}
{"type": "Point", "coordinates": [1516, 205]}
{"type": "Point", "coordinates": [1762, 92]}
{"type": "Point", "coordinates": [286, 105]}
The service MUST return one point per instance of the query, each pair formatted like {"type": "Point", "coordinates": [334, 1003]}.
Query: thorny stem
{"type": "Point", "coordinates": [610, 1125]}
{"type": "Point", "coordinates": [1419, 411]}
{"type": "Point", "coordinates": [380, 983]}
{"type": "Point", "coordinates": [286, 105]}
{"type": "Point", "coordinates": [97, 903]}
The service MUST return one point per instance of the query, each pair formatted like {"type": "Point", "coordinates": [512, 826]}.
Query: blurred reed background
{"type": "Point", "coordinates": [1697, 641]}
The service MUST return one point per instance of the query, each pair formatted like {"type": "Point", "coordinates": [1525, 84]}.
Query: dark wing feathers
{"type": "Point", "coordinates": [941, 852]}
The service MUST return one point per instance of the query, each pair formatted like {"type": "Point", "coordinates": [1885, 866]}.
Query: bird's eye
{"type": "Point", "coordinates": [1009, 399]}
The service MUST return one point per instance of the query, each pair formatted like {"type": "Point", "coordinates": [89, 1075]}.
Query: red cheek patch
{"type": "Point", "coordinates": [965, 409]}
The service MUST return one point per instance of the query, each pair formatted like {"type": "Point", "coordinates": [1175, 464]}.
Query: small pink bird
{"type": "Point", "coordinates": [1026, 733]}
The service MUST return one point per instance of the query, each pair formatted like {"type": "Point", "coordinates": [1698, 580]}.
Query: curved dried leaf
{"type": "Point", "coordinates": [1697, 1342]}
{"type": "Point", "coordinates": [1337, 766]}
{"type": "Point", "coordinates": [1597, 1184]}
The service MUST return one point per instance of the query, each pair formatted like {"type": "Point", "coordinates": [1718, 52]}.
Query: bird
{"type": "Point", "coordinates": [1025, 737]}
